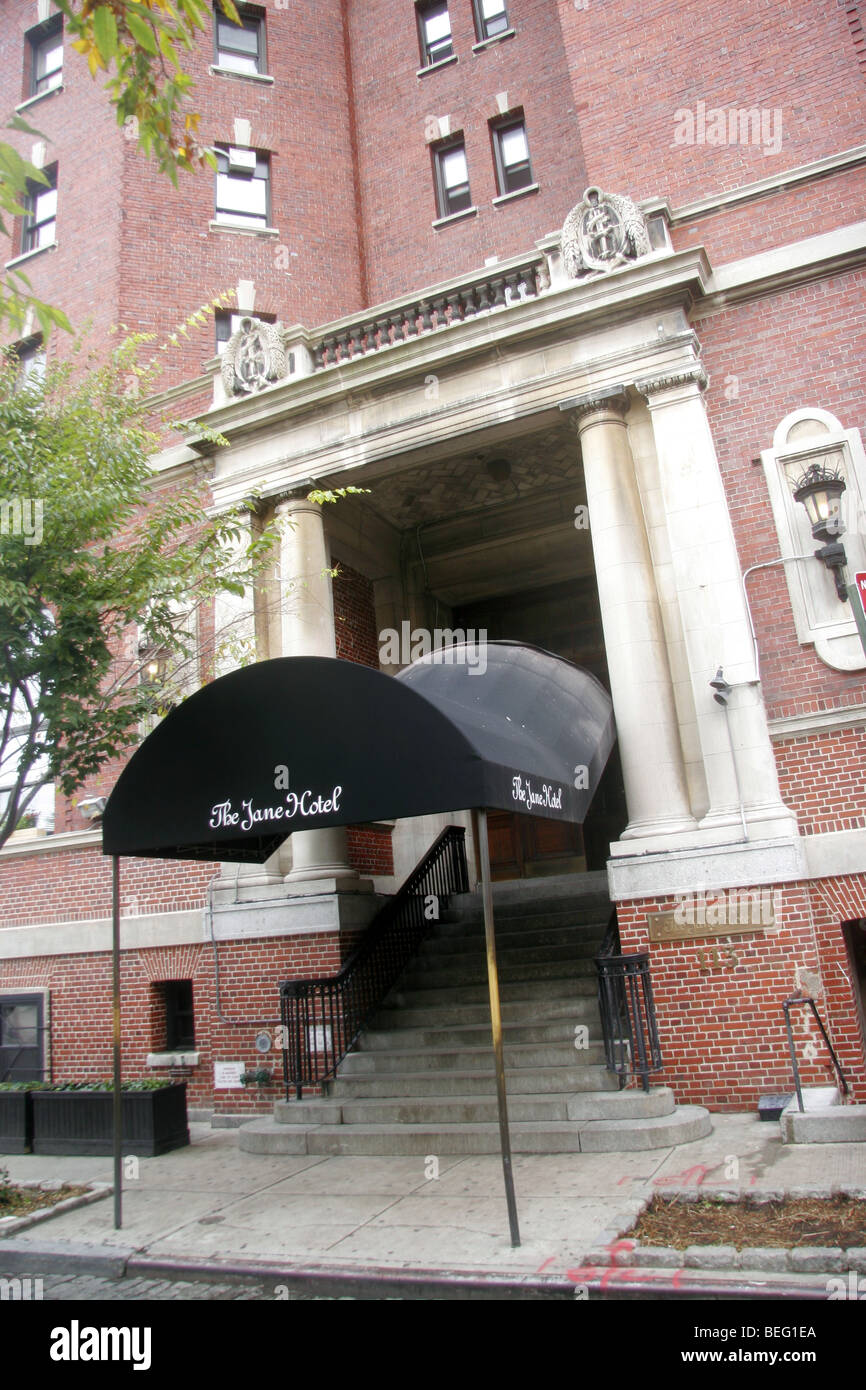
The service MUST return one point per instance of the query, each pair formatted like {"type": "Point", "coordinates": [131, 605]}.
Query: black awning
{"type": "Point", "coordinates": [301, 743]}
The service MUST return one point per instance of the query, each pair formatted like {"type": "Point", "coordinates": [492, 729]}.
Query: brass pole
{"type": "Point", "coordinates": [115, 1001]}
{"type": "Point", "coordinates": [496, 1023]}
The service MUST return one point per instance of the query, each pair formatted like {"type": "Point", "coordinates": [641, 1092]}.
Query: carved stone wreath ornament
{"type": "Point", "coordinates": [604, 231]}
{"type": "Point", "coordinates": [254, 358]}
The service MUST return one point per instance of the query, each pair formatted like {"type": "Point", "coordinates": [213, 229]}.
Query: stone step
{"type": "Point", "coordinates": [533, 1081]}
{"type": "Point", "coordinates": [568, 952]}
{"type": "Point", "coordinates": [556, 1030]}
{"type": "Point", "coordinates": [529, 897]}
{"type": "Point", "coordinates": [475, 972]}
{"type": "Point", "coordinates": [687, 1124]}
{"type": "Point", "coordinates": [467, 1058]}
{"type": "Point", "coordinates": [458, 1110]}
{"type": "Point", "coordinates": [269, 1137]}
{"type": "Point", "coordinates": [507, 929]}
{"type": "Point", "coordinates": [511, 991]}
{"type": "Point", "coordinates": [825, 1120]}
{"type": "Point", "coordinates": [580, 1009]}
{"type": "Point", "coordinates": [587, 937]}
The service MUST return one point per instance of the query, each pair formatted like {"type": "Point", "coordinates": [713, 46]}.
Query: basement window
{"type": "Point", "coordinates": [179, 1016]}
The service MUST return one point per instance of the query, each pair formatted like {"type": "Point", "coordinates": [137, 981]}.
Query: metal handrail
{"type": "Point", "coordinates": [322, 1016]}
{"type": "Point", "coordinates": [627, 1008]}
{"type": "Point", "coordinates": [786, 1009]}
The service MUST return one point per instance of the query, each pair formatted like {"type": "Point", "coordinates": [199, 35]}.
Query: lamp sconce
{"type": "Point", "coordinates": [820, 490]}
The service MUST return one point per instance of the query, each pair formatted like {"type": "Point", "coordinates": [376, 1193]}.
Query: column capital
{"type": "Point", "coordinates": [693, 375]}
{"type": "Point", "coordinates": [291, 495]}
{"type": "Point", "coordinates": [606, 400]}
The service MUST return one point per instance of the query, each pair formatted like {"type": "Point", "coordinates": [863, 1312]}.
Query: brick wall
{"type": "Point", "coordinates": [74, 885]}
{"type": "Point", "coordinates": [719, 999]}
{"type": "Point", "coordinates": [250, 974]}
{"type": "Point", "coordinates": [821, 779]}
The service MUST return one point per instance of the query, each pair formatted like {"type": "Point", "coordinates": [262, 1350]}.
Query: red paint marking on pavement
{"type": "Point", "coordinates": [686, 1177]}
{"type": "Point", "coordinates": [549, 1261]}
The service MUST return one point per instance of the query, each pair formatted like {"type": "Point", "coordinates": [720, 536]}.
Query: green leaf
{"type": "Point", "coordinates": [230, 10]}
{"type": "Point", "coordinates": [141, 32]}
{"type": "Point", "coordinates": [105, 32]}
{"type": "Point", "coordinates": [19, 123]}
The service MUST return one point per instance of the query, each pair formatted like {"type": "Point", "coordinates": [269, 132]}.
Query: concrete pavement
{"type": "Point", "coordinates": [211, 1210]}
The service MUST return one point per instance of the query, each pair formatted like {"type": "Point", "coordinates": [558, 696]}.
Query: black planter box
{"type": "Point", "coordinates": [82, 1122]}
{"type": "Point", "coordinates": [16, 1122]}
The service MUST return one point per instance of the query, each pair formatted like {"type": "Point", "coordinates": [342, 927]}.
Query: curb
{"type": "Point", "coordinates": [11, 1225]}
{"type": "Point", "coordinates": [589, 1282]}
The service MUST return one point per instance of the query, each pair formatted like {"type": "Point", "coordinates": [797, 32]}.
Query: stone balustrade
{"type": "Point", "coordinates": [389, 325]}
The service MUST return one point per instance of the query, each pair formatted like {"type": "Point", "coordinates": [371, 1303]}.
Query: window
{"type": "Point", "coordinates": [511, 151]}
{"type": "Point", "coordinates": [30, 356]}
{"type": "Point", "coordinates": [21, 1031]}
{"type": "Point", "coordinates": [243, 187]}
{"type": "Point", "coordinates": [491, 18]}
{"type": "Point", "coordinates": [179, 1017]}
{"type": "Point", "coordinates": [452, 179]}
{"type": "Point", "coordinates": [46, 58]}
{"type": "Point", "coordinates": [434, 32]}
{"type": "Point", "coordinates": [228, 323]}
{"type": "Point", "coordinates": [240, 48]}
{"type": "Point", "coordinates": [40, 221]}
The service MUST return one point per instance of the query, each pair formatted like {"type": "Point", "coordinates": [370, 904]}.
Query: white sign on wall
{"type": "Point", "coordinates": [227, 1076]}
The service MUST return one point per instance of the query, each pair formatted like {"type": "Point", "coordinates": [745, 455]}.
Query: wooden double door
{"type": "Point", "coordinates": [529, 846]}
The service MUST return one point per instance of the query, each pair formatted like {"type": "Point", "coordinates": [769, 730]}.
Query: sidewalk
{"type": "Point", "coordinates": [213, 1211]}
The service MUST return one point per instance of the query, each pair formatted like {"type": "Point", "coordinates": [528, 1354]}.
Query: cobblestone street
{"type": "Point", "coordinates": [89, 1288]}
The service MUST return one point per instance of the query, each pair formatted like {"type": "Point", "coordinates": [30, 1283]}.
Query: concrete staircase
{"type": "Point", "coordinates": [421, 1080]}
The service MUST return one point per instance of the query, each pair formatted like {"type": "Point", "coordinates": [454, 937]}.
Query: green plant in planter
{"type": "Point", "coordinates": [148, 1083]}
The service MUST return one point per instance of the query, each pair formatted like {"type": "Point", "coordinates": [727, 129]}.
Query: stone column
{"type": "Point", "coordinates": [307, 624]}
{"type": "Point", "coordinates": [714, 619]}
{"type": "Point", "coordinates": [652, 761]}
{"type": "Point", "coordinates": [235, 646]}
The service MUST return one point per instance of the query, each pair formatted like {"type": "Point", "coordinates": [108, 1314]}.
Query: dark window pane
{"type": "Point", "coordinates": [179, 1023]}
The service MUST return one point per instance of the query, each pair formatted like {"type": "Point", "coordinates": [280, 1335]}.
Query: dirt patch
{"type": "Point", "coordinates": [785, 1224]}
{"type": "Point", "coordinates": [20, 1201]}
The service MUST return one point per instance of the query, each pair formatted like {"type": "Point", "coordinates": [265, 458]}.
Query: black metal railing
{"type": "Point", "coordinates": [322, 1017]}
{"type": "Point", "coordinates": [786, 1009]}
{"type": "Point", "coordinates": [625, 1001]}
